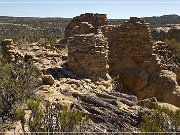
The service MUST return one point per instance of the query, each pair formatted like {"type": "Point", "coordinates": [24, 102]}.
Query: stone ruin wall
{"type": "Point", "coordinates": [167, 54]}
{"type": "Point", "coordinates": [87, 46]}
{"type": "Point", "coordinates": [9, 52]}
{"type": "Point", "coordinates": [85, 24]}
{"type": "Point", "coordinates": [130, 55]}
{"type": "Point", "coordinates": [130, 46]}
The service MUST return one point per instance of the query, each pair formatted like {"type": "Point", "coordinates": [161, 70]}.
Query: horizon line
{"type": "Point", "coordinates": [44, 17]}
{"type": "Point", "coordinates": [83, 13]}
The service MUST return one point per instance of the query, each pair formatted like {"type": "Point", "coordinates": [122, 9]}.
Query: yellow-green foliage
{"type": "Point", "coordinates": [52, 117]}
{"type": "Point", "coordinates": [160, 120]}
{"type": "Point", "coordinates": [69, 119]}
{"type": "Point", "coordinates": [36, 117]}
{"type": "Point", "coordinates": [174, 44]}
{"type": "Point", "coordinates": [20, 115]}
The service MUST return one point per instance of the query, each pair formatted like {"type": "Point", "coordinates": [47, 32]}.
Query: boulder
{"type": "Point", "coordinates": [173, 97]}
{"type": "Point", "coordinates": [134, 78]}
{"type": "Point", "coordinates": [47, 80]}
{"type": "Point", "coordinates": [160, 84]}
{"type": "Point", "coordinates": [149, 102]}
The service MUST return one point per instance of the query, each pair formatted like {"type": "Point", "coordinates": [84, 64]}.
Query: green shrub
{"type": "Point", "coordinates": [71, 120]}
{"type": "Point", "coordinates": [18, 81]}
{"type": "Point", "coordinates": [36, 117]}
{"type": "Point", "coordinates": [172, 43]}
{"type": "Point", "coordinates": [160, 120]}
{"type": "Point", "coordinates": [52, 117]}
{"type": "Point", "coordinates": [20, 115]}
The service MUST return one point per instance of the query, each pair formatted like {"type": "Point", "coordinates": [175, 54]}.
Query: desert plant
{"type": "Point", "coordinates": [17, 82]}
{"type": "Point", "coordinates": [36, 117]}
{"type": "Point", "coordinates": [175, 45]}
{"type": "Point", "coordinates": [20, 115]}
{"type": "Point", "coordinates": [160, 120]}
{"type": "Point", "coordinates": [53, 117]}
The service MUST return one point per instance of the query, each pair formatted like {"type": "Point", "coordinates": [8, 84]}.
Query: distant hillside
{"type": "Point", "coordinates": [163, 20]}
{"type": "Point", "coordinates": [154, 21]}
{"type": "Point", "coordinates": [16, 27]}
{"type": "Point", "coordinates": [25, 26]}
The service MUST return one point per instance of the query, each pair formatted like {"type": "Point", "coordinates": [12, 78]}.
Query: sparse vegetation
{"type": "Point", "coordinates": [52, 117]}
{"type": "Point", "coordinates": [29, 29]}
{"type": "Point", "coordinates": [18, 81]}
{"type": "Point", "coordinates": [172, 43]}
{"type": "Point", "coordinates": [160, 120]}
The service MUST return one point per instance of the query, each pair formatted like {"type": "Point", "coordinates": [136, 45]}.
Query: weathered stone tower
{"type": "Point", "coordinates": [130, 46]}
{"type": "Point", "coordinates": [87, 46]}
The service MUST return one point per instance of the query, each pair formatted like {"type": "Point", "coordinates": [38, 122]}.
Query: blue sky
{"type": "Point", "coordinates": [113, 10]}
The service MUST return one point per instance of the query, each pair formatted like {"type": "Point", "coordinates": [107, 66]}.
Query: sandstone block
{"type": "Point", "coordinates": [134, 78]}
{"type": "Point", "coordinates": [160, 84]}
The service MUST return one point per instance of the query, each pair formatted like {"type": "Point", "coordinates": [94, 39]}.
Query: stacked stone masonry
{"type": "Point", "coordinates": [8, 50]}
{"type": "Point", "coordinates": [85, 24]}
{"type": "Point", "coordinates": [130, 46]}
{"type": "Point", "coordinates": [87, 46]}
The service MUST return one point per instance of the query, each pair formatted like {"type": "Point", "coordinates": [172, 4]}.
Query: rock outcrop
{"type": "Point", "coordinates": [160, 83]}
{"type": "Point", "coordinates": [47, 80]}
{"type": "Point", "coordinates": [163, 86]}
{"type": "Point", "coordinates": [87, 47]}
{"type": "Point", "coordinates": [134, 78]}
